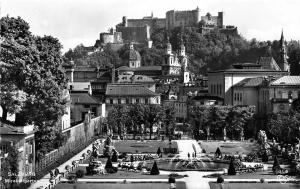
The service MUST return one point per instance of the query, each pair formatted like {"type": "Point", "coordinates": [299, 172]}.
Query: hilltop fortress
{"type": "Point", "coordinates": [139, 30]}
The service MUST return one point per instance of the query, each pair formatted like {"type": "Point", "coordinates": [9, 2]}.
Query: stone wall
{"type": "Point", "coordinates": [79, 137]}
{"type": "Point", "coordinates": [134, 34]}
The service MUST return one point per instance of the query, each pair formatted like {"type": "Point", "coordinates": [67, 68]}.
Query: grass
{"type": "Point", "coordinates": [148, 147]}
{"type": "Point", "coordinates": [254, 185]}
{"type": "Point", "coordinates": [229, 147]}
{"type": "Point", "coordinates": [180, 185]}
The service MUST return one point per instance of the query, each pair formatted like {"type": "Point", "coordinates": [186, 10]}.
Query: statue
{"type": "Point", "coordinates": [224, 133]}
{"type": "Point", "coordinates": [242, 134]}
{"type": "Point", "coordinates": [108, 146]}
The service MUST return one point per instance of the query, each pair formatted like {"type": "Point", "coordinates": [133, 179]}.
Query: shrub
{"type": "Point", "coordinates": [74, 162]}
{"type": "Point", "coordinates": [111, 170]}
{"type": "Point", "coordinates": [68, 167]}
{"type": "Point", "coordinates": [114, 157]}
{"type": "Point", "coordinates": [56, 171]}
{"type": "Point", "coordinates": [218, 152]}
{"type": "Point", "coordinates": [220, 179]}
{"type": "Point", "coordinates": [108, 163]}
{"type": "Point", "coordinates": [89, 170]}
{"type": "Point", "coordinates": [231, 169]}
{"type": "Point", "coordinates": [154, 170]}
{"type": "Point", "coordinates": [262, 180]}
{"type": "Point", "coordinates": [276, 164]}
{"type": "Point", "coordinates": [203, 150]}
{"type": "Point", "coordinates": [158, 151]}
{"type": "Point", "coordinates": [79, 173]}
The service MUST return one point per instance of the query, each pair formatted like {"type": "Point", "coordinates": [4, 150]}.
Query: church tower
{"type": "Point", "coordinates": [284, 65]}
{"type": "Point", "coordinates": [134, 57]}
{"type": "Point", "coordinates": [183, 61]}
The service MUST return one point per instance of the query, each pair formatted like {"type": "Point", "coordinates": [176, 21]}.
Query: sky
{"type": "Point", "coordinates": [76, 22]}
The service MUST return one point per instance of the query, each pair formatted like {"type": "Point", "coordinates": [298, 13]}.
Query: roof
{"type": "Point", "coordinates": [128, 90]}
{"type": "Point", "coordinates": [135, 79]}
{"type": "Point", "coordinates": [125, 68]}
{"type": "Point", "coordinates": [79, 86]}
{"type": "Point", "coordinates": [268, 63]}
{"type": "Point", "coordinates": [250, 82]}
{"type": "Point", "coordinates": [208, 97]}
{"type": "Point", "coordinates": [85, 69]}
{"type": "Point", "coordinates": [134, 55]}
{"type": "Point", "coordinates": [9, 129]}
{"type": "Point", "coordinates": [149, 68]}
{"type": "Point", "coordinates": [232, 70]}
{"type": "Point", "coordinates": [287, 80]}
{"type": "Point", "coordinates": [83, 98]}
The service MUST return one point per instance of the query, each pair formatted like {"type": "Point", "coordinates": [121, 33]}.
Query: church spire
{"type": "Point", "coordinates": [283, 55]}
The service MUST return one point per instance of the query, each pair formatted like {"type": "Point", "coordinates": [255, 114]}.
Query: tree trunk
{"type": "Point", "coordinates": [151, 131]}
{"type": "Point", "coordinates": [4, 113]}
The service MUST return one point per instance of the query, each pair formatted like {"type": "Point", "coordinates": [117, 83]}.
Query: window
{"type": "Point", "coordinates": [279, 94]}
{"type": "Point", "coordinates": [86, 106]}
{"type": "Point", "coordinates": [119, 101]}
{"type": "Point", "coordinates": [137, 100]}
{"type": "Point", "coordinates": [111, 101]}
{"type": "Point", "coordinates": [127, 101]}
{"type": "Point", "coordinates": [290, 95]}
{"type": "Point", "coordinates": [146, 100]}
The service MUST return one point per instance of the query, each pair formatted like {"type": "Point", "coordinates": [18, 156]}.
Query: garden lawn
{"type": "Point", "coordinates": [229, 147]}
{"type": "Point", "coordinates": [254, 185]}
{"type": "Point", "coordinates": [180, 185]}
{"type": "Point", "coordinates": [148, 147]}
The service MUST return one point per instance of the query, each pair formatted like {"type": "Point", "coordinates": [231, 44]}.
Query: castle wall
{"type": "Point", "coordinates": [182, 18]}
{"type": "Point", "coordinates": [106, 38]}
{"type": "Point", "coordinates": [153, 22]}
{"type": "Point", "coordinates": [134, 34]}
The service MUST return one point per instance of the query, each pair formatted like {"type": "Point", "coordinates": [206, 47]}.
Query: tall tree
{"type": "Point", "coordinates": [35, 72]}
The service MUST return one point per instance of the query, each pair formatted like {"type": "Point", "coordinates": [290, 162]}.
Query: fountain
{"type": "Point", "coordinates": [196, 160]}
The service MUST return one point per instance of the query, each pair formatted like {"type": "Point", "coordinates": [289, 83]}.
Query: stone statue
{"type": "Point", "coordinates": [224, 133]}
{"type": "Point", "coordinates": [242, 134]}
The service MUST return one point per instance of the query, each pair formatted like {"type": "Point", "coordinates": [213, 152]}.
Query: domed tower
{"type": "Point", "coordinates": [184, 61]}
{"type": "Point", "coordinates": [134, 57]}
{"type": "Point", "coordinates": [284, 65]}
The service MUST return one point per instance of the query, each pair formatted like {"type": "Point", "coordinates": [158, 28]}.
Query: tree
{"type": "Point", "coordinates": [153, 115]}
{"type": "Point", "coordinates": [169, 119]}
{"type": "Point", "coordinates": [231, 169]}
{"type": "Point", "coordinates": [284, 126]}
{"type": "Point", "coordinates": [34, 80]}
{"type": "Point", "coordinates": [10, 164]}
{"type": "Point", "coordinates": [154, 169]}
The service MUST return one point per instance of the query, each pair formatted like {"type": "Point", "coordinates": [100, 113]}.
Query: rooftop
{"type": "Point", "coordinates": [134, 79]}
{"type": "Point", "coordinates": [287, 80]}
{"type": "Point", "coordinates": [128, 90]}
{"type": "Point", "coordinates": [250, 82]}
{"type": "Point", "coordinates": [83, 98]}
{"type": "Point", "coordinates": [7, 128]}
{"type": "Point", "coordinates": [268, 63]}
